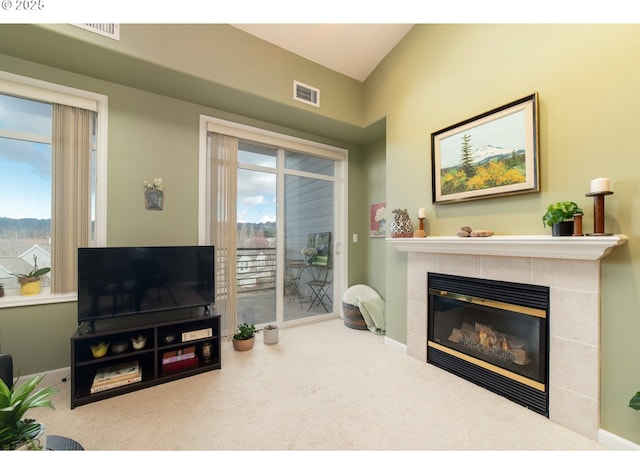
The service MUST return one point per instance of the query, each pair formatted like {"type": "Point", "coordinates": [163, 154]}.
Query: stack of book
{"type": "Point", "coordinates": [118, 375]}
{"type": "Point", "coordinates": [179, 359]}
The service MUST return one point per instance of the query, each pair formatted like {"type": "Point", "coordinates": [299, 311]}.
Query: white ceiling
{"type": "Point", "coordinates": [351, 49]}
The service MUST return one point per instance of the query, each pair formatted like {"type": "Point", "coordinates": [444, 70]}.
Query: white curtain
{"type": "Point", "coordinates": [223, 168]}
{"type": "Point", "coordinates": [71, 210]}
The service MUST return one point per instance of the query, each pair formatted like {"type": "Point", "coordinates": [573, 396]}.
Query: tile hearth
{"type": "Point", "coordinates": [569, 266]}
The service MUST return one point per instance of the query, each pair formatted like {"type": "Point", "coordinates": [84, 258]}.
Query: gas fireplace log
{"type": "Point", "coordinates": [484, 339]}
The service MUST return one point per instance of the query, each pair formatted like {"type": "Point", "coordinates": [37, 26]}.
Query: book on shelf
{"type": "Point", "coordinates": [115, 384]}
{"type": "Point", "coordinates": [197, 334]}
{"type": "Point", "coordinates": [119, 371]}
{"type": "Point", "coordinates": [178, 355]}
{"type": "Point", "coordinates": [180, 365]}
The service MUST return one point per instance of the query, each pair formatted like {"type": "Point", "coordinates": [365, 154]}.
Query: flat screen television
{"type": "Point", "coordinates": [122, 281]}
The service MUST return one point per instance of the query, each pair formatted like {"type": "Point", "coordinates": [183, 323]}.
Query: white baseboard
{"type": "Point", "coordinates": [612, 441]}
{"type": "Point", "coordinates": [395, 345]}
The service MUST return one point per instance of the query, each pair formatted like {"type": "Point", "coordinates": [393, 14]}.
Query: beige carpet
{"type": "Point", "coordinates": [323, 386]}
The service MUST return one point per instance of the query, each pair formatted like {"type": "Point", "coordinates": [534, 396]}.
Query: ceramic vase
{"type": "Point", "coordinates": [270, 334]}
{"type": "Point", "coordinates": [30, 288]}
{"type": "Point", "coordinates": [401, 227]}
{"type": "Point", "coordinates": [244, 345]}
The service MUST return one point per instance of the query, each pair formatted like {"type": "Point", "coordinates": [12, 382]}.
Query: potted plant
{"type": "Point", "coordinates": [30, 282]}
{"type": "Point", "coordinates": [244, 337]}
{"type": "Point", "coordinates": [1, 290]}
{"type": "Point", "coordinates": [14, 403]}
{"type": "Point", "coordinates": [634, 402]}
{"type": "Point", "coordinates": [559, 216]}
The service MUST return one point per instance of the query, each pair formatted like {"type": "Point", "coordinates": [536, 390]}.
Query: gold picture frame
{"type": "Point", "coordinates": [492, 154]}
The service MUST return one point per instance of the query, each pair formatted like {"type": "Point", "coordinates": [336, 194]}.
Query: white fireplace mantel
{"type": "Point", "coordinates": [569, 266]}
{"type": "Point", "coordinates": [539, 246]}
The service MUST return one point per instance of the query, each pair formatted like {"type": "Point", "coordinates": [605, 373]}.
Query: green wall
{"type": "Point", "coordinates": [437, 76]}
{"type": "Point", "coordinates": [149, 135]}
{"type": "Point", "coordinates": [376, 188]}
{"type": "Point", "coordinates": [588, 86]}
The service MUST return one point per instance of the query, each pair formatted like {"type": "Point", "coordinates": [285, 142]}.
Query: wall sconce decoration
{"type": "Point", "coordinates": [154, 194]}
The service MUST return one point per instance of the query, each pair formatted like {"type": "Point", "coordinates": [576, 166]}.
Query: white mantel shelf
{"type": "Point", "coordinates": [538, 246]}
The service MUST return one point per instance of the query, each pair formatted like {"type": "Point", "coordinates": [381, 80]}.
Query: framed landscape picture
{"type": "Point", "coordinates": [493, 154]}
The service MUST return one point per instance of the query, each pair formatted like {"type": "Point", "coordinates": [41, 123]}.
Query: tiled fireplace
{"type": "Point", "coordinates": [569, 266]}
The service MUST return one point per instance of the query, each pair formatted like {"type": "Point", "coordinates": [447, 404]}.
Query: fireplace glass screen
{"type": "Point", "coordinates": [493, 333]}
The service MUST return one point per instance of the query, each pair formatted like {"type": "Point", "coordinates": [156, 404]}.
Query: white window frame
{"type": "Point", "coordinates": [39, 90]}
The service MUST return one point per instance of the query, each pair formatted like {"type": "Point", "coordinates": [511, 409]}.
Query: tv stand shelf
{"type": "Point", "coordinates": [178, 344]}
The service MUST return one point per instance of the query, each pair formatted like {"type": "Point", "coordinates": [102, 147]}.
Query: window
{"type": "Point", "coordinates": [49, 160]}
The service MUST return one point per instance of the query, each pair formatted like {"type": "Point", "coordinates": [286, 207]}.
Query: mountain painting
{"type": "Point", "coordinates": [490, 155]}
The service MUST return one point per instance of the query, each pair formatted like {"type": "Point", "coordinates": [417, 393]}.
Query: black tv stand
{"type": "Point", "coordinates": [191, 334]}
{"type": "Point", "coordinates": [91, 327]}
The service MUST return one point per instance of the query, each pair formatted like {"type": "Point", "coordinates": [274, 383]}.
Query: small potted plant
{"type": "Point", "coordinates": [30, 282]}
{"type": "Point", "coordinates": [14, 403]}
{"type": "Point", "coordinates": [1, 290]}
{"type": "Point", "coordinates": [245, 336]}
{"type": "Point", "coordinates": [559, 216]}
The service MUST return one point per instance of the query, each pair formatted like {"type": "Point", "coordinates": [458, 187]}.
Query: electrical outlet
{"type": "Point", "coordinates": [355, 237]}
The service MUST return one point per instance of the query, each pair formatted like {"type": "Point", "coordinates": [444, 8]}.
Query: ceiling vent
{"type": "Point", "coordinates": [110, 30]}
{"type": "Point", "coordinates": [305, 93]}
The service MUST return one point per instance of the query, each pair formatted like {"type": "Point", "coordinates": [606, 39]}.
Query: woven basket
{"type": "Point", "coordinates": [352, 317]}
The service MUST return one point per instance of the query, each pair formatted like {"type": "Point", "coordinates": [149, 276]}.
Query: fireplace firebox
{"type": "Point", "coordinates": [492, 333]}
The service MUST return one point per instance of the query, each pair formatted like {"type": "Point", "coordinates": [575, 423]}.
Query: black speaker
{"type": "Point", "coordinates": [6, 369]}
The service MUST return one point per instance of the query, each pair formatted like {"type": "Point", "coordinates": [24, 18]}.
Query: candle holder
{"type": "Point", "coordinates": [420, 233]}
{"type": "Point", "coordinates": [598, 212]}
{"type": "Point", "coordinates": [577, 224]}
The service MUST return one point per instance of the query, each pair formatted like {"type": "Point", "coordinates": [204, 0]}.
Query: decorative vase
{"type": "Point", "coordinates": [153, 199]}
{"type": "Point", "coordinates": [30, 288]}
{"type": "Point", "coordinates": [401, 226]}
{"type": "Point", "coordinates": [244, 345]}
{"type": "Point", "coordinates": [270, 334]}
{"type": "Point", "coordinates": [564, 228]}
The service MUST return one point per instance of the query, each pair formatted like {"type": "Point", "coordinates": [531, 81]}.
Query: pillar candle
{"type": "Point", "coordinates": [599, 185]}
{"type": "Point", "coordinates": [422, 213]}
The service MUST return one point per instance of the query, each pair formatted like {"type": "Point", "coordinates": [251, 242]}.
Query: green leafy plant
{"type": "Point", "coordinates": [244, 331]}
{"type": "Point", "coordinates": [634, 402]}
{"type": "Point", "coordinates": [14, 403]}
{"type": "Point", "coordinates": [34, 274]}
{"type": "Point", "coordinates": [560, 211]}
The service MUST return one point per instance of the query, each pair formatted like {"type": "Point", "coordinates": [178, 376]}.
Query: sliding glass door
{"type": "Point", "coordinates": [308, 235]}
{"type": "Point", "coordinates": [292, 225]}
{"type": "Point", "coordinates": [274, 207]}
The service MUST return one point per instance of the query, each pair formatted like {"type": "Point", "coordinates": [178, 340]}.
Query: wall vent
{"type": "Point", "coordinates": [306, 94]}
{"type": "Point", "coordinates": [110, 30]}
